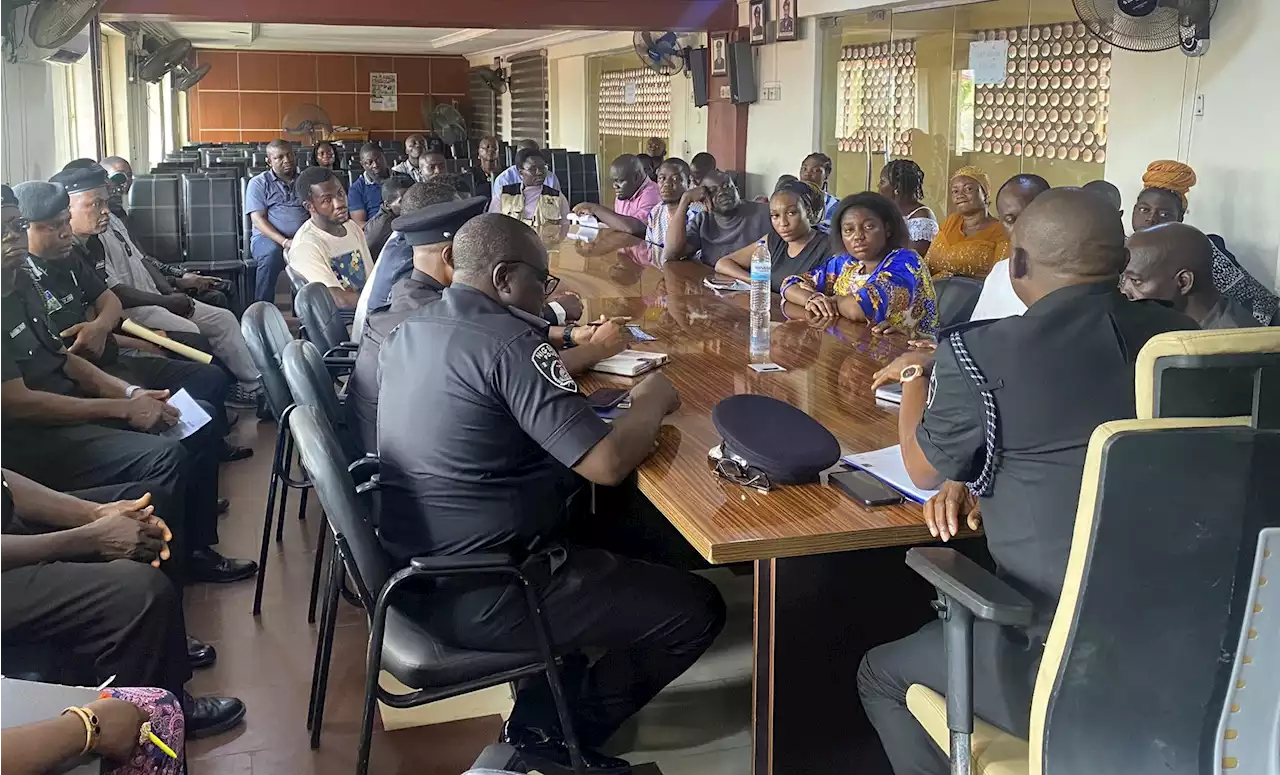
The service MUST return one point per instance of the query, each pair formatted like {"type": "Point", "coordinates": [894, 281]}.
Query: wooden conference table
{"type": "Point", "coordinates": [810, 588]}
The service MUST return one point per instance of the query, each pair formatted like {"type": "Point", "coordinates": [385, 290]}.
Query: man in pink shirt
{"type": "Point", "coordinates": [636, 196]}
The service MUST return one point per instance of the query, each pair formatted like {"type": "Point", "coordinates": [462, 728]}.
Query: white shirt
{"type": "Point", "coordinates": [997, 299]}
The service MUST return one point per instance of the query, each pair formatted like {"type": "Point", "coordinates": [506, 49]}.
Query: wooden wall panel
{"type": "Point", "coordinates": [247, 93]}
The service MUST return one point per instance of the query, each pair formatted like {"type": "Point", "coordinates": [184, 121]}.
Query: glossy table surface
{"type": "Point", "coordinates": [828, 375]}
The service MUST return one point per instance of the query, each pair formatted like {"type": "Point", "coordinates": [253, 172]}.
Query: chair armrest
{"type": "Point", "coordinates": [342, 347]}
{"type": "Point", "coordinates": [969, 585]}
{"type": "Point", "coordinates": [348, 316]}
{"type": "Point", "coordinates": [454, 563]}
{"type": "Point", "coordinates": [365, 467]}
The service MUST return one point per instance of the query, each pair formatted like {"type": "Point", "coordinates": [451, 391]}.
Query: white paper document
{"type": "Point", "coordinates": [887, 466]}
{"type": "Point", "coordinates": [192, 418]}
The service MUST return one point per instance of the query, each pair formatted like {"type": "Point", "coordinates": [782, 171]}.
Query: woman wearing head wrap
{"type": "Point", "coordinates": [970, 241]}
{"type": "Point", "coordinates": [795, 244]}
{"type": "Point", "coordinates": [902, 180]}
{"type": "Point", "coordinates": [1164, 199]}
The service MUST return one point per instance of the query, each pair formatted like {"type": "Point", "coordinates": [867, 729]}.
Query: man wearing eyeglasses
{"type": "Point", "coordinates": [487, 445]}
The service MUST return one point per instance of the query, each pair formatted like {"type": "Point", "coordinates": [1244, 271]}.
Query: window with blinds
{"type": "Point", "coordinates": [635, 103]}
{"type": "Point", "coordinates": [486, 106]}
{"type": "Point", "coordinates": [529, 109]}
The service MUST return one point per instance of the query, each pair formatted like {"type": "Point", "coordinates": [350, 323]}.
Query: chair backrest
{"type": "Point", "coordinates": [1221, 373]}
{"type": "Point", "coordinates": [296, 280]}
{"type": "Point", "coordinates": [957, 296]}
{"type": "Point", "coordinates": [320, 317]}
{"type": "Point", "coordinates": [327, 469]}
{"type": "Point", "coordinates": [211, 215]}
{"type": "Point", "coordinates": [1156, 589]}
{"type": "Point", "coordinates": [312, 385]}
{"type": "Point", "coordinates": [155, 220]}
{"type": "Point", "coordinates": [267, 335]}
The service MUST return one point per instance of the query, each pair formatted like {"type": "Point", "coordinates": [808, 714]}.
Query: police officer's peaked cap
{"type": "Point", "coordinates": [783, 442]}
{"type": "Point", "coordinates": [438, 223]}
{"type": "Point", "coordinates": [41, 201]}
{"type": "Point", "coordinates": [79, 179]}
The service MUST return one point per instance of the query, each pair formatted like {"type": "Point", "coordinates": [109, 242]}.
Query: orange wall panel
{"type": "Point", "coordinates": [336, 72]}
{"type": "Point", "coordinates": [247, 94]}
{"type": "Point", "coordinates": [298, 72]}
{"type": "Point", "coordinates": [259, 72]}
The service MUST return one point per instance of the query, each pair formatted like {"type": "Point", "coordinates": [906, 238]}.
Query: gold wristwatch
{"type": "Point", "coordinates": [912, 372]}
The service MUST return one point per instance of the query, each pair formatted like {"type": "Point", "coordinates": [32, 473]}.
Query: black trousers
{"type": "Point", "coordinates": [204, 382]}
{"type": "Point", "coordinates": [1004, 669]}
{"type": "Point", "coordinates": [76, 457]}
{"type": "Point", "coordinates": [651, 621]}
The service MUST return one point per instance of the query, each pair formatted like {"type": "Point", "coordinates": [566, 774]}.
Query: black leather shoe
{"type": "Point", "coordinates": [232, 453]}
{"type": "Point", "coordinates": [208, 566]}
{"type": "Point", "coordinates": [548, 752]}
{"type": "Point", "coordinates": [223, 505]}
{"type": "Point", "coordinates": [200, 654]}
{"type": "Point", "coordinates": [208, 716]}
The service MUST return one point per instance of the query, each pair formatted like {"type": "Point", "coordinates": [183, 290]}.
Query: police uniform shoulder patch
{"type": "Point", "coordinates": [547, 361]}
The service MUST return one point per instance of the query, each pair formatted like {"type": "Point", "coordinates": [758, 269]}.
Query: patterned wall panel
{"type": "Point", "coordinates": [649, 115]}
{"type": "Point", "coordinates": [877, 97]}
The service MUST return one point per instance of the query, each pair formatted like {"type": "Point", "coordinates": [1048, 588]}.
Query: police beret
{"type": "Point", "coordinates": [41, 201]}
{"type": "Point", "coordinates": [78, 179]}
{"type": "Point", "coordinates": [438, 223]}
{"type": "Point", "coordinates": [10, 199]}
{"type": "Point", "coordinates": [787, 445]}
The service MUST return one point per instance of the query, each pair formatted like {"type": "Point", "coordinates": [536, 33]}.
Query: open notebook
{"type": "Point", "coordinates": [886, 465]}
{"type": "Point", "coordinates": [631, 363]}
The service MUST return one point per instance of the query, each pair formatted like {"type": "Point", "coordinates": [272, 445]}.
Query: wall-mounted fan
{"type": "Point", "coordinates": [306, 123]}
{"type": "Point", "coordinates": [168, 57]}
{"type": "Point", "coordinates": [447, 123]}
{"type": "Point", "coordinates": [184, 79]}
{"type": "Point", "coordinates": [50, 23]}
{"type": "Point", "coordinates": [661, 52]}
{"type": "Point", "coordinates": [1150, 25]}
{"type": "Point", "coordinates": [496, 80]}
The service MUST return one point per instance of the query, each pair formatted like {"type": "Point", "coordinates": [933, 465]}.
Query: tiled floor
{"type": "Point", "coordinates": [699, 725]}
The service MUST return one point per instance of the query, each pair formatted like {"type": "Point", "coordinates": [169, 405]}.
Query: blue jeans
{"type": "Point", "coordinates": [270, 257]}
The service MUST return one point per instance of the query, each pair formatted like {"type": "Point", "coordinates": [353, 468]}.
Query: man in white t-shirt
{"type": "Point", "coordinates": [329, 248]}
{"type": "Point", "coordinates": [998, 299]}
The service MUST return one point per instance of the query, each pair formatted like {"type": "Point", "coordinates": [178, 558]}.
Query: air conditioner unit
{"type": "Point", "coordinates": [72, 51]}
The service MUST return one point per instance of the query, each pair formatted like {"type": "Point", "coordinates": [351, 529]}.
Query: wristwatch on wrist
{"type": "Point", "coordinates": [568, 336]}
{"type": "Point", "coordinates": [129, 391]}
{"type": "Point", "coordinates": [913, 372]}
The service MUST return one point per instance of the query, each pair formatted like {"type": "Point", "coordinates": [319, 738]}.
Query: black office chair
{"type": "Point", "coordinates": [324, 324]}
{"type": "Point", "coordinates": [267, 335]}
{"type": "Point", "coordinates": [1209, 374]}
{"type": "Point", "coordinates": [957, 296]}
{"type": "Point", "coordinates": [397, 644]}
{"type": "Point", "coordinates": [296, 280]}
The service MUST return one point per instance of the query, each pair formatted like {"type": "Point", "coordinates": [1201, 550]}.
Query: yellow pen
{"type": "Point", "coordinates": [160, 744]}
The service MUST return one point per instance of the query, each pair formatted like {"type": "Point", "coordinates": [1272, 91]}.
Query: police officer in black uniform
{"type": "Point", "coordinates": [428, 230]}
{"type": "Point", "coordinates": [1005, 415]}
{"type": "Point", "coordinates": [484, 438]}
{"type": "Point", "coordinates": [69, 425]}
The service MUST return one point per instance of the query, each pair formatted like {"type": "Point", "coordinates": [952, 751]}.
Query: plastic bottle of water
{"type": "Point", "coordinates": [761, 267]}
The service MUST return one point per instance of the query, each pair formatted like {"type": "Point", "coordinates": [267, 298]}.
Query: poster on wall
{"type": "Point", "coordinates": [382, 91]}
{"type": "Point", "coordinates": [787, 19]}
{"type": "Point", "coordinates": [988, 60]}
{"type": "Point", "coordinates": [629, 93]}
{"type": "Point", "coordinates": [757, 22]}
{"type": "Point", "coordinates": [719, 59]}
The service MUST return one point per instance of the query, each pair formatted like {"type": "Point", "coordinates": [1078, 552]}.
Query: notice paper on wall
{"type": "Point", "coordinates": [191, 417]}
{"type": "Point", "coordinates": [988, 60]}
{"type": "Point", "coordinates": [382, 92]}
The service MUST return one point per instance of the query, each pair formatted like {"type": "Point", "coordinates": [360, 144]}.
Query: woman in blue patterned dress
{"type": "Point", "coordinates": [874, 277]}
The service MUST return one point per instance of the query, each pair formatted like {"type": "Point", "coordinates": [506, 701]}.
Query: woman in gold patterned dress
{"type": "Point", "coordinates": [875, 277]}
{"type": "Point", "coordinates": [970, 241]}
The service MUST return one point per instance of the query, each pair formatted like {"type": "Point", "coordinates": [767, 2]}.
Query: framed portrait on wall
{"type": "Point", "coordinates": [720, 54]}
{"type": "Point", "coordinates": [757, 22]}
{"type": "Point", "coordinates": [787, 19]}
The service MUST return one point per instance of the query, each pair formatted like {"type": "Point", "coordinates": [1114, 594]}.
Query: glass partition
{"type": "Point", "coordinates": [907, 84]}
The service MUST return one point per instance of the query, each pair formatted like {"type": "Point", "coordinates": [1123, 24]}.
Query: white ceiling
{"type": "Point", "coordinates": [369, 40]}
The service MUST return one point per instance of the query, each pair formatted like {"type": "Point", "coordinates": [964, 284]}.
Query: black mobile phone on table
{"type": "Point", "coordinates": [608, 398]}
{"type": "Point", "coordinates": [865, 488]}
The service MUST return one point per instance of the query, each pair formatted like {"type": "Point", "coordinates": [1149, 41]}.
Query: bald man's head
{"type": "Point", "coordinates": [504, 258]}
{"type": "Point", "coordinates": [1065, 237]}
{"type": "Point", "coordinates": [1014, 196]}
{"type": "Point", "coordinates": [1171, 262]}
{"type": "Point", "coordinates": [627, 175]}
